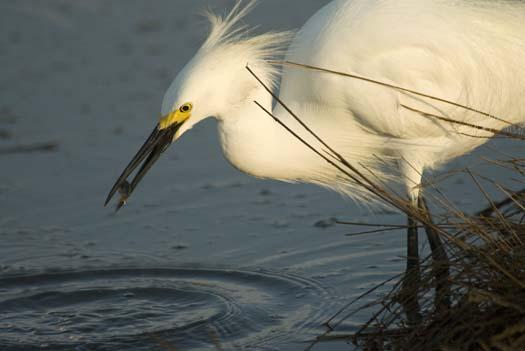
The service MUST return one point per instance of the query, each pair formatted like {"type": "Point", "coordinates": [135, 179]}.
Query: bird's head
{"type": "Point", "coordinates": [212, 84]}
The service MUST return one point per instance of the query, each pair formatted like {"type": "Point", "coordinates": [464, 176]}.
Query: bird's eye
{"type": "Point", "coordinates": [186, 108]}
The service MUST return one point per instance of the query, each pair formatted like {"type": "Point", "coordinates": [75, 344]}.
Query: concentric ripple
{"type": "Point", "coordinates": [160, 308]}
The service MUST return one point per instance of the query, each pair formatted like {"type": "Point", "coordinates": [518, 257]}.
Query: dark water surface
{"type": "Point", "coordinates": [187, 307]}
{"type": "Point", "coordinates": [202, 254]}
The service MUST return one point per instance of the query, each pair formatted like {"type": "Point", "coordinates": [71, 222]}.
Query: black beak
{"type": "Point", "coordinates": [155, 145]}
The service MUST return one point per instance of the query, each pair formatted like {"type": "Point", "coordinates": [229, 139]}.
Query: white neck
{"type": "Point", "coordinates": [255, 144]}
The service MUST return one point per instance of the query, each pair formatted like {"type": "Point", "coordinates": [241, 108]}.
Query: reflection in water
{"type": "Point", "coordinates": [146, 308]}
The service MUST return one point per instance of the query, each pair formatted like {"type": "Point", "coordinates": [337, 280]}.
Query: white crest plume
{"type": "Point", "coordinates": [229, 33]}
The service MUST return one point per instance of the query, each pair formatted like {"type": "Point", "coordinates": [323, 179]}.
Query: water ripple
{"type": "Point", "coordinates": [147, 308]}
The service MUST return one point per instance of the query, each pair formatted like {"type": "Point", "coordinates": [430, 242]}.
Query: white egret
{"type": "Point", "coordinates": [471, 53]}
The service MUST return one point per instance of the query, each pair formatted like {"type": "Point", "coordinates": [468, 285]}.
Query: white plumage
{"type": "Point", "coordinates": [469, 52]}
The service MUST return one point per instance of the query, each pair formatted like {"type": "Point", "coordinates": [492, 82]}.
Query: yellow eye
{"type": "Point", "coordinates": [177, 116]}
{"type": "Point", "coordinates": [186, 108]}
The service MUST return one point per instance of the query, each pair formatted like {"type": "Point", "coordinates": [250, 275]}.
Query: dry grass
{"type": "Point", "coordinates": [487, 279]}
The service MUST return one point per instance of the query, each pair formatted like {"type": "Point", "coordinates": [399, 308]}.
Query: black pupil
{"type": "Point", "coordinates": [185, 108]}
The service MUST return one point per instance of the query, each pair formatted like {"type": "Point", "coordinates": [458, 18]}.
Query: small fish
{"type": "Point", "coordinates": [124, 191]}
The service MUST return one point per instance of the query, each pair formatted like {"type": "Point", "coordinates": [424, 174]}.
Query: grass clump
{"type": "Point", "coordinates": [485, 307]}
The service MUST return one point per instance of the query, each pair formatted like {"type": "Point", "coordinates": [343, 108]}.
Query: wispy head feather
{"type": "Point", "coordinates": [228, 29]}
{"type": "Point", "coordinates": [229, 33]}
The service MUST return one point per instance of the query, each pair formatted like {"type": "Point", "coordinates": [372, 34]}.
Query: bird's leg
{"type": "Point", "coordinates": [409, 290]}
{"type": "Point", "coordinates": [440, 264]}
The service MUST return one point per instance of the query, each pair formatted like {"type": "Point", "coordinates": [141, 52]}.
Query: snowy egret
{"type": "Point", "coordinates": [467, 53]}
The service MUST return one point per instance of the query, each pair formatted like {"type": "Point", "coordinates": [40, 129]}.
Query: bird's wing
{"type": "Point", "coordinates": [410, 44]}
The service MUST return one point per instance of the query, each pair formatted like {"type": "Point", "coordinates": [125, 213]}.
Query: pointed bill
{"type": "Point", "coordinates": [149, 153]}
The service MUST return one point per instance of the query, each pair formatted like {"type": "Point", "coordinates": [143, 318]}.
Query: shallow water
{"type": "Point", "coordinates": [202, 254]}
{"type": "Point", "coordinates": [115, 308]}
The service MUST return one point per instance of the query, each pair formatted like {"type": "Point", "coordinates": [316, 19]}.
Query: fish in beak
{"type": "Point", "coordinates": [160, 139]}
